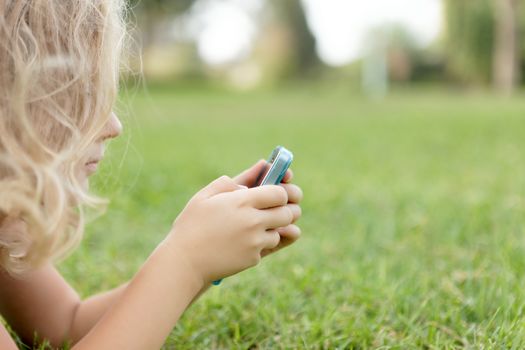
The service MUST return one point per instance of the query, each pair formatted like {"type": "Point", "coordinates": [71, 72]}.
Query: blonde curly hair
{"type": "Point", "coordinates": [59, 72]}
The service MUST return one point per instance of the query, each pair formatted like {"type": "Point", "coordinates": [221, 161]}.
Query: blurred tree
{"type": "Point", "coordinates": [402, 52]}
{"type": "Point", "coordinates": [151, 13]}
{"type": "Point", "coordinates": [291, 14]}
{"type": "Point", "coordinates": [506, 71]}
{"type": "Point", "coordinates": [470, 39]}
{"type": "Point", "coordinates": [482, 41]}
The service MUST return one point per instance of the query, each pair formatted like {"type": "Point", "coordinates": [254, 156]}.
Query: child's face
{"type": "Point", "coordinates": [111, 130]}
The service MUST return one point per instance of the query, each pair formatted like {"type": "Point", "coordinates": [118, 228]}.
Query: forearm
{"type": "Point", "coordinates": [201, 292]}
{"type": "Point", "coordinates": [91, 310]}
{"type": "Point", "coordinates": [148, 307]}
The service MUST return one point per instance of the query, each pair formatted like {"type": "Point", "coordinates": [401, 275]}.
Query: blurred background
{"type": "Point", "coordinates": [406, 119]}
{"type": "Point", "coordinates": [370, 45]}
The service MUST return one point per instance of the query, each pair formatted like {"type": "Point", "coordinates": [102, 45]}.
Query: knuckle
{"type": "Point", "coordinates": [298, 193]}
{"type": "Point", "coordinates": [288, 188]}
{"type": "Point", "coordinates": [289, 214]}
{"type": "Point", "coordinates": [283, 195]}
{"type": "Point", "coordinates": [243, 198]}
{"type": "Point", "coordinates": [297, 211]}
{"type": "Point", "coordinates": [254, 221]}
{"type": "Point", "coordinates": [255, 242]}
{"type": "Point", "coordinates": [224, 179]}
{"type": "Point", "coordinates": [277, 239]}
{"type": "Point", "coordinates": [295, 194]}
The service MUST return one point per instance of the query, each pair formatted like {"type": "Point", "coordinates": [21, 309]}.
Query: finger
{"type": "Point", "coordinates": [220, 185]}
{"type": "Point", "coordinates": [296, 211]}
{"type": "Point", "coordinates": [268, 196]}
{"type": "Point", "coordinates": [288, 176]}
{"type": "Point", "coordinates": [271, 239]}
{"type": "Point", "coordinates": [249, 176]}
{"type": "Point", "coordinates": [295, 194]}
{"type": "Point", "coordinates": [276, 217]}
{"type": "Point", "coordinates": [289, 235]}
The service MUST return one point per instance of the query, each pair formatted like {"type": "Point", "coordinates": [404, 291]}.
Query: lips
{"type": "Point", "coordinates": [92, 166]}
{"type": "Point", "coordinates": [93, 158]}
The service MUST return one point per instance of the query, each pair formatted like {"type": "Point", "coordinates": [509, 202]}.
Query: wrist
{"type": "Point", "coordinates": [184, 261]}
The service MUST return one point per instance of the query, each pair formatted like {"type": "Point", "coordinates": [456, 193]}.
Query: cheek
{"type": "Point", "coordinates": [82, 176]}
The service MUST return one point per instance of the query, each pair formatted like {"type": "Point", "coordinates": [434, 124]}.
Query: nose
{"type": "Point", "coordinates": [112, 129]}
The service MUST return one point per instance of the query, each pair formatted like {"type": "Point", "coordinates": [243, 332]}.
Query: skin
{"type": "Point", "coordinates": [243, 225]}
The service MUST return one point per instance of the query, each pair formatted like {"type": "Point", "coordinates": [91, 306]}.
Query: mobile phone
{"type": "Point", "coordinates": [276, 167]}
{"type": "Point", "coordinates": [273, 173]}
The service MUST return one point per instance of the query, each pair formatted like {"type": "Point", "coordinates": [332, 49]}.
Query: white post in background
{"type": "Point", "coordinates": [374, 68]}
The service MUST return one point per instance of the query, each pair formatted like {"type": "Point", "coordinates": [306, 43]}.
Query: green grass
{"type": "Point", "coordinates": [413, 216]}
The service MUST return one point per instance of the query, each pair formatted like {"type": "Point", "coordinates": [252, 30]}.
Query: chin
{"type": "Point", "coordinates": [84, 182]}
{"type": "Point", "coordinates": [83, 179]}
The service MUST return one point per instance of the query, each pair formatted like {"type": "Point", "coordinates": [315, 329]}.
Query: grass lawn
{"type": "Point", "coordinates": [413, 217]}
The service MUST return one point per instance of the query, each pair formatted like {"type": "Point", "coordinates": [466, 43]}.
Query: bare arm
{"type": "Point", "coordinates": [6, 342]}
{"type": "Point", "coordinates": [27, 306]}
{"type": "Point", "coordinates": [44, 303]}
{"type": "Point", "coordinates": [40, 302]}
{"type": "Point", "coordinates": [149, 307]}
{"type": "Point", "coordinates": [140, 315]}
{"type": "Point", "coordinates": [91, 310]}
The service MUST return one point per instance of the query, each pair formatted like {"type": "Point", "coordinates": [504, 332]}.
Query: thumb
{"type": "Point", "coordinates": [220, 185]}
{"type": "Point", "coordinates": [249, 176]}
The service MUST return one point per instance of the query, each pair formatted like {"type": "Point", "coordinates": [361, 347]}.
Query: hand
{"type": "Point", "coordinates": [290, 233]}
{"type": "Point", "coordinates": [224, 227]}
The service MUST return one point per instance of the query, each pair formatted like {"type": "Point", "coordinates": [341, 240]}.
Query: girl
{"type": "Point", "coordinates": [58, 82]}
